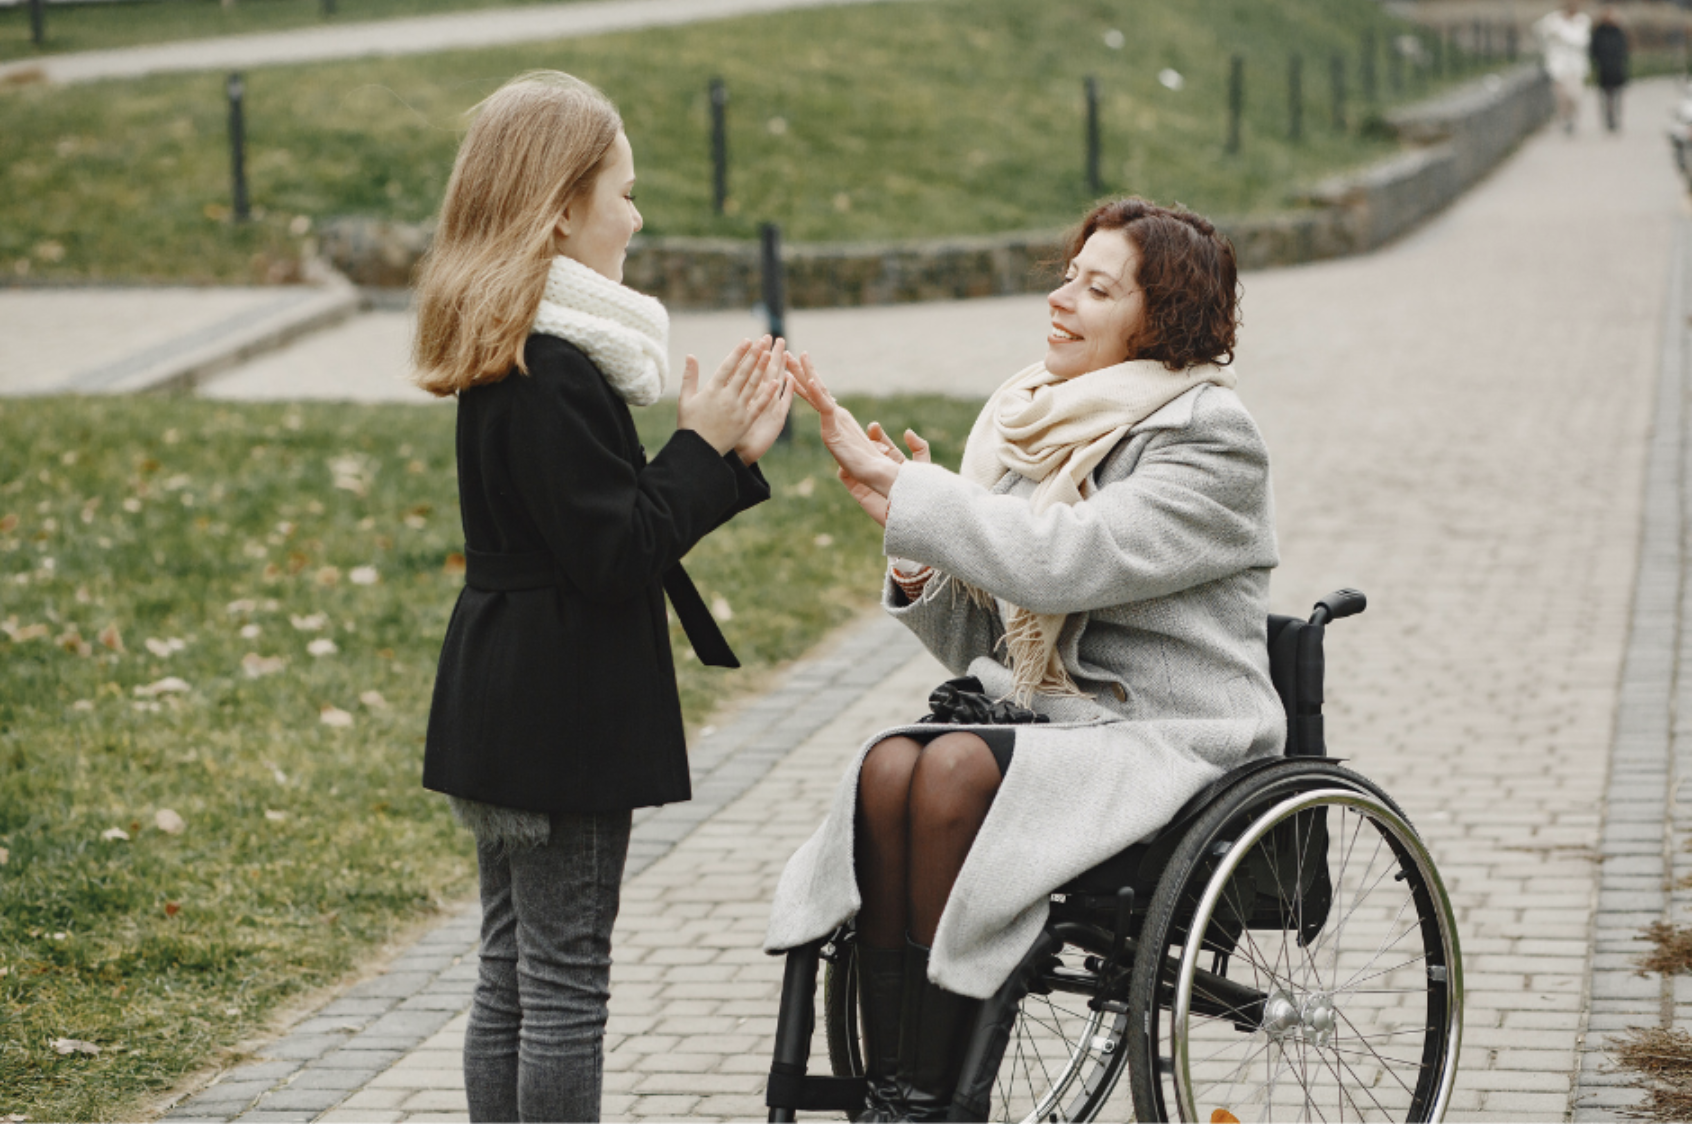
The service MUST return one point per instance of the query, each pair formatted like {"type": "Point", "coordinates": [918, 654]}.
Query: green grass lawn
{"type": "Point", "coordinates": [166, 568]}
{"type": "Point", "coordinates": [877, 121]}
{"type": "Point", "coordinates": [87, 27]}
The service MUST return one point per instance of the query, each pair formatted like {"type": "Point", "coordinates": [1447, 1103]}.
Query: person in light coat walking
{"type": "Point", "coordinates": [1565, 36]}
{"type": "Point", "coordinates": [1101, 561]}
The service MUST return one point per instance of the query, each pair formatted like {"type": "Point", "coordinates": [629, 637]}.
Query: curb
{"type": "Point", "coordinates": [188, 361]}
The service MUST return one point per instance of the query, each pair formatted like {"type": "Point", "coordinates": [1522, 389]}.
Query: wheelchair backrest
{"type": "Point", "coordinates": [1295, 666]}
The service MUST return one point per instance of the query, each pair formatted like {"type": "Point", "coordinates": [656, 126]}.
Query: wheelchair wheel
{"type": "Point", "coordinates": [1063, 1059]}
{"type": "Point", "coordinates": [1299, 961]}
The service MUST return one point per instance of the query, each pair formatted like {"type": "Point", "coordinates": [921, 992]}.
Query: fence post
{"type": "Point", "coordinates": [1366, 76]}
{"type": "Point", "coordinates": [1091, 86]}
{"type": "Point", "coordinates": [1295, 97]}
{"type": "Point", "coordinates": [1436, 51]}
{"type": "Point", "coordinates": [328, 8]}
{"type": "Point", "coordinates": [1395, 67]}
{"type": "Point", "coordinates": [237, 91]}
{"type": "Point", "coordinates": [1336, 89]}
{"type": "Point", "coordinates": [38, 22]}
{"type": "Point", "coordinates": [1236, 100]}
{"type": "Point", "coordinates": [775, 294]}
{"type": "Point", "coordinates": [1512, 41]}
{"type": "Point", "coordinates": [719, 145]}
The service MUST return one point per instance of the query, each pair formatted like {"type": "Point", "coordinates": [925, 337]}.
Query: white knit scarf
{"type": "Point", "coordinates": [1056, 431]}
{"type": "Point", "coordinates": [625, 333]}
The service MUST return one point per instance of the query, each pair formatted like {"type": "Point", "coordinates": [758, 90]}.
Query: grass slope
{"type": "Point", "coordinates": [219, 531]}
{"type": "Point", "coordinates": [876, 121]}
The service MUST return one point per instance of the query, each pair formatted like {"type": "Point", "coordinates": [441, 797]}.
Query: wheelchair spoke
{"type": "Point", "coordinates": [1390, 1071]}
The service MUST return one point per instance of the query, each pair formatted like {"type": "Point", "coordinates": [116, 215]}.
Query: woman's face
{"type": "Point", "coordinates": [1098, 309]}
{"type": "Point", "coordinates": [597, 226]}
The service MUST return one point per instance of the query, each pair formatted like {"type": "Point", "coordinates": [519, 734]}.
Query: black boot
{"type": "Point", "coordinates": [933, 1035]}
{"type": "Point", "coordinates": [881, 984]}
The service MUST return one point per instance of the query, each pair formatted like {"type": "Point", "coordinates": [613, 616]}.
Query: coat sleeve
{"type": "Point", "coordinates": [1196, 508]}
{"type": "Point", "coordinates": [949, 623]}
{"type": "Point", "coordinates": [613, 529]}
{"type": "Point", "coordinates": [751, 489]}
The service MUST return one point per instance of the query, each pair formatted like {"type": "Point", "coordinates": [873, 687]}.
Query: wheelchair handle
{"type": "Point", "coordinates": [1339, 603]}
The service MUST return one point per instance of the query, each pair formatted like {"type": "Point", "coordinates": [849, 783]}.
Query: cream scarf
{"type": "Point", "coordinates": [1056, 431]}
{"type": "Point", "coordinates": [625, 333]}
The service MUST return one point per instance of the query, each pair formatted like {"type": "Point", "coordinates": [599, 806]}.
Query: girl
{"type": "Point", "coordinates": [555, 709]}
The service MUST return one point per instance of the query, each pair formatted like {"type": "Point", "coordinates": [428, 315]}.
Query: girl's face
{"type": "Point", "coordinates": [1098, 309]}
{"type": "Point", "coordinates": [596, 227]}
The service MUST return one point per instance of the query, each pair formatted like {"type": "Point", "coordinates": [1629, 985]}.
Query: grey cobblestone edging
{"type": "Point", "coordinates": [343, 1045]}
{"type": "Point", "coordinates": [1648, 818]}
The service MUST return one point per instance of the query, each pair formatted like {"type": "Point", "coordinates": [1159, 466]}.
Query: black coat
{"type": "Point", "coordinates": [1608, 49]}
{"type": "Point", "coordinates": [559, 694]}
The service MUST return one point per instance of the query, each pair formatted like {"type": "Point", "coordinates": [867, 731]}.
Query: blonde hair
{"type": "Point", "coordinates": [536, 143]}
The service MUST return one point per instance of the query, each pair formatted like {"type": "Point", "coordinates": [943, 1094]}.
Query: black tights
{"type": "Point", "coordinates": [919, 809]}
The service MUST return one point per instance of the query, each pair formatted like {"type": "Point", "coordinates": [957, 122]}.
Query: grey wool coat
{"type": "Point", "coordinates": [1164, 572]}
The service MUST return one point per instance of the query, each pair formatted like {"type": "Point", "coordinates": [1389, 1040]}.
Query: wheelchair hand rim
{"type": "Point", "coordinates": [1375, 809]}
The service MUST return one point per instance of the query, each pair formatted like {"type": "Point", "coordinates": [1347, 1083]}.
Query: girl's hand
{"type": "Point", "coordinates": [858, 456]}
{"type": "Point", "coordinates": [768, 425]}
{"type": "Point", "coordinates": [726, 405]}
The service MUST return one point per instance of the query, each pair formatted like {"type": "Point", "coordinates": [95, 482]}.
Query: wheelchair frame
{"type": "Point", "coordinates": [1244, 866]}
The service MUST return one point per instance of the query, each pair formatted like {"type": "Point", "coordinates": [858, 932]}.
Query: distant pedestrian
{"type": "Point", "coordinates": [555, 710]}
{"type": "Point", "coordinates": [1564, 37]}
{"type": "Point", "coordinates": [1609, 59]}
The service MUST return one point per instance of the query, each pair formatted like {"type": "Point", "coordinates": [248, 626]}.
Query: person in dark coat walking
{"type": "Point", "coordinates": [555, 710]}
{"type": "Point", "coordinates": [1609, 60]}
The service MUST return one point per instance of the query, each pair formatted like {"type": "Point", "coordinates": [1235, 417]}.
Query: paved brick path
{"type": "Point", "coordinates": [1459, 427]}
{"type": "Point", "coordinates": [419, 35]}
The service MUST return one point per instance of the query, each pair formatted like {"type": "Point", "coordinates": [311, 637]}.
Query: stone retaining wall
{"type": "Point", "coordinates": [1454, 140]}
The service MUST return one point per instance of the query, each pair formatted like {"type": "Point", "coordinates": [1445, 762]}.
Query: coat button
{"type": "Point", "coordinates": [1119, 691]}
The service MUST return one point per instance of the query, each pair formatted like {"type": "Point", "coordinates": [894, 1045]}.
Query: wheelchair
{"type": "Point", "coordinates": [1282, 949]}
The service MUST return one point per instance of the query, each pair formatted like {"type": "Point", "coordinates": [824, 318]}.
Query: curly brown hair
{"type": "Point", "coordinates": [1187, 276]}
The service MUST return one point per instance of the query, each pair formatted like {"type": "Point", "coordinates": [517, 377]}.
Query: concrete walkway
{"type": "Point", "coordinates": [419, 35]}
{"type": "Point", "coordinates": [1460, 426]}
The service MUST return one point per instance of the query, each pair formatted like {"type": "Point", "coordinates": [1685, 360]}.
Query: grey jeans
{"type": "Point", "coordinates": [534, 1048]}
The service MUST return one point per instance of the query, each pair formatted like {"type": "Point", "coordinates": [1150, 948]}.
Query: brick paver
{"type": "Point", "coordinates": [1459, 427]}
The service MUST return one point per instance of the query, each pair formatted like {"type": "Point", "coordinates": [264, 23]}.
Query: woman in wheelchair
{"type": "Point", "coordinates": [1100, 569]}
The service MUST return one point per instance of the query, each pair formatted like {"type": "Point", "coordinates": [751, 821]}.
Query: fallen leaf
{"type": "Point", "coordinates": [68, 1046]}
{"type": "Point", "coordinates": [27, 632]}
{"type": "Point", "coordinates": [149, 707]}
{"type": "Point", "coordinates": [244, 605]}
{"type": "Point", "coordinates": [454, 563]}
{"type": "Point", "coordinates": [328, 576]}
{"type": "Point", "coordinates": [115, 835]}
{"type": "Point", "coordinates": [5, 856]}
{"type": "Point", "coordinates": [274, 816]}
{"type": "Point", "coordinates": [61, 936]}
{"type": "Point", "coordinates": [332, 715]}
{"type": "Point", "coordinates": [805, 487]}
{"type": "Point", "coordinates": [824, 541]}
{"type": "Point", "coordinates": [168, 822]}
{"type": "Point", "coordinates": [257, 666]}
{"type": "Point", "coordinates": [364, 575]}
{"type": "Point", "coordinates": [314, 623]}
{"type": "Point", "coordinates": [721, 609]}
{"type": "Point", "coordinates": [250, 631]}
{"type": "Point", "coordinates": [83, 704]}
{"type": "Point", "coordinates": [164, 648]}
{"type": "Point", "coordinates": [172, 909]}
{"type": "Point", "coordinates": [416, 522]}
{"type": "Point", "coordinates": [167, 685]}
{"type": "Point", "coordinates": [373, 700]}
{"type": "Point", "coordinates": [111, 638]}
{"type": "Point", "coordinates": [8, 523]}
{"type": "Point", "coordinates": [322, 646]}
{"type": "Point", "coordinates": [71, 641]}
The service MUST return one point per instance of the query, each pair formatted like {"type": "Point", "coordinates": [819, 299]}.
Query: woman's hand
{"type": "Point", "coordinates": [726, 406]}
{"type": "Point", "coordinates": [859, 457]}
{"type": "Point", "coordinates": [768, 425]}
